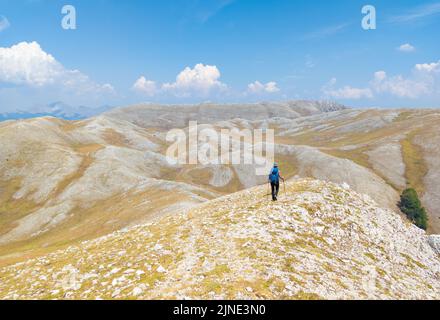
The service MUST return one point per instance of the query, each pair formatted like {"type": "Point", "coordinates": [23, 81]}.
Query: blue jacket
{"type": "Point", "coordinates": [274, 176]}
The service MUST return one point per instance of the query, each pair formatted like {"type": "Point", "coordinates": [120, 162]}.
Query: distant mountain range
{"type": "Point", "coordinates": [64, 111]}
{"type": "Point", "coordinates": [57, 110]}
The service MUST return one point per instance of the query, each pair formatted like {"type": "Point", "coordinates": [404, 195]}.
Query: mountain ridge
{"type": "Point", "coordinates": [58, 110]}
{"type": "Point", "coordinates": [320, 241]}
{"type": "Point", "coordinates": [66, 181]}
{"type": "Point", "coordinates": [177, 116]}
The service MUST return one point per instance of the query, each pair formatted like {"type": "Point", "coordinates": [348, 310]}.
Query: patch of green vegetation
{"type": "Point", "coordinates": [411, 206]}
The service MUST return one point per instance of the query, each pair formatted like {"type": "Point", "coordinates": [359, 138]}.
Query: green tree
{"type": "Point", "coordinates": [411, 206]}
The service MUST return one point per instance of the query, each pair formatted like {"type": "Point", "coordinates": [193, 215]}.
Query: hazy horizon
{"type": "Point", "coordinates": [94, 54]}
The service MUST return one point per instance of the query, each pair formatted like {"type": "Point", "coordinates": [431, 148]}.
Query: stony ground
{"type": "Point", "coordinates": [319, 241]}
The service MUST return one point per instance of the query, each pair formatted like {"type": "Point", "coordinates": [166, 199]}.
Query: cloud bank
{"type": "Point", "coordinates": [259, 88]}
{"type": "Point", "coordinates": [28, 74]}
{"type": "Point", "coordinates": [346, 92]}
{"type": "Point", "coordinates": [200, 81]}
{"type": "Point", "coordinates": [27, 64]}
{"type": "Point", "coordinates": [423, 81]}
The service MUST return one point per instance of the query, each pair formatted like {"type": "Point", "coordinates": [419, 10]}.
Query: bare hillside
{"type": "Point", "coordinates": [320, 240]}
{"type": "Point", "coordinates": [177, 116]}
{"type": "Point", "coordinates": [66, 181]}
{"type": "Point", "coordinates": [377, 151]}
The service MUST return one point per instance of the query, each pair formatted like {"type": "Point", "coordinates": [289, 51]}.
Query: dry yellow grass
{"type": "Point", "coordinates": [416, 168]}
{"type": "Point", "coordinates": [11, 209]}
{"type": "Point", "coordinates": [113, 137]}
{"type": "Point", "coordinates": [88, 223]}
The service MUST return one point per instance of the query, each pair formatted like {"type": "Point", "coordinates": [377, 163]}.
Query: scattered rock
{"type": "Point", "coordinates": [434, 241]}
{"type": "Point", "coordinates": [116, 293]}
{"type": "Point", "coordinates": [161, 269]}
{"type": "Point", "coordinates": [139, 272]}
{"type": "Point", "coordinates": [243, 246]}
{"type": "Point", "coordinates": [137, 291]}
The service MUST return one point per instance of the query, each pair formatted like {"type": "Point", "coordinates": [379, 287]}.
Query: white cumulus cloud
{"type": "Point", "coordinates": [200, 81]}
{"type": "Point", "coordinates": [424, 80]}
{"type": "Point", "coordinates": [399, 86]}
{"type": "Point", "coordinates": [258, 88]}
{"type": "Point", "coordinates": [26, 63]}
{"type": "Point", "coordinates": [346, 92]}
{"type": "Point", "coordinates": [433, 67]}
{"type": "Point", "coordinates": [406, 48]}
{"type": "Point", "coordinates": [31, 78]}
{"type": "Point", "coordinates": [144, 86]}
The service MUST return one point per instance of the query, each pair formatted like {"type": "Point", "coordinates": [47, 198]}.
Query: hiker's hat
{"type": "Point", "coordinates": [275, 164]}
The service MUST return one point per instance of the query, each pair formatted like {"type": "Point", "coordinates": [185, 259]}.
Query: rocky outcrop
{"type": "Point", "coordinates": [434, 241]}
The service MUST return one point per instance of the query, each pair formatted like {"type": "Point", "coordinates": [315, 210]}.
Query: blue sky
{"type": "Point", "coordinates": [188, 51]}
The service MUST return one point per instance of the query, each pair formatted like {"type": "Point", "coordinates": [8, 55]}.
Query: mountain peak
{"type": "Point", "coordinates": [56, 109]}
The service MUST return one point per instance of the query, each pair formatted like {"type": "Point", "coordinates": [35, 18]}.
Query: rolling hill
{"type": "Point", "coordinates": [62, 182]}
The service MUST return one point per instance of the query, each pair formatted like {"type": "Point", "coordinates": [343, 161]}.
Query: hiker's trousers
{"type": "Point", "coordinates": [275, 188]}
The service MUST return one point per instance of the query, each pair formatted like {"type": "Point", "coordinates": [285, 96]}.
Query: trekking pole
{"type": "Point", "coordinates": [268, 185]}
{"type": "Point", "coordinates": [284, 186]}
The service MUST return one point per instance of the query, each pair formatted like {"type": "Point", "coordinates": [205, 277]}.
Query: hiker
{"type": "Point", "coordinates": [274, 179]}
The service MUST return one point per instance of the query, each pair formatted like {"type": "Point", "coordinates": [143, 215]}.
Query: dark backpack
{"type": "Point", "coordinates": [274, 176]}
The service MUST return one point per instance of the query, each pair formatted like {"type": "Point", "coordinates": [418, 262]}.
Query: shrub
{"type": "Point", "coordinates": [411, 206]}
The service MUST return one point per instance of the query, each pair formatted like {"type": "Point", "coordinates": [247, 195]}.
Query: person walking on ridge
{"type": "Point", "coordinates": [274, 180]}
